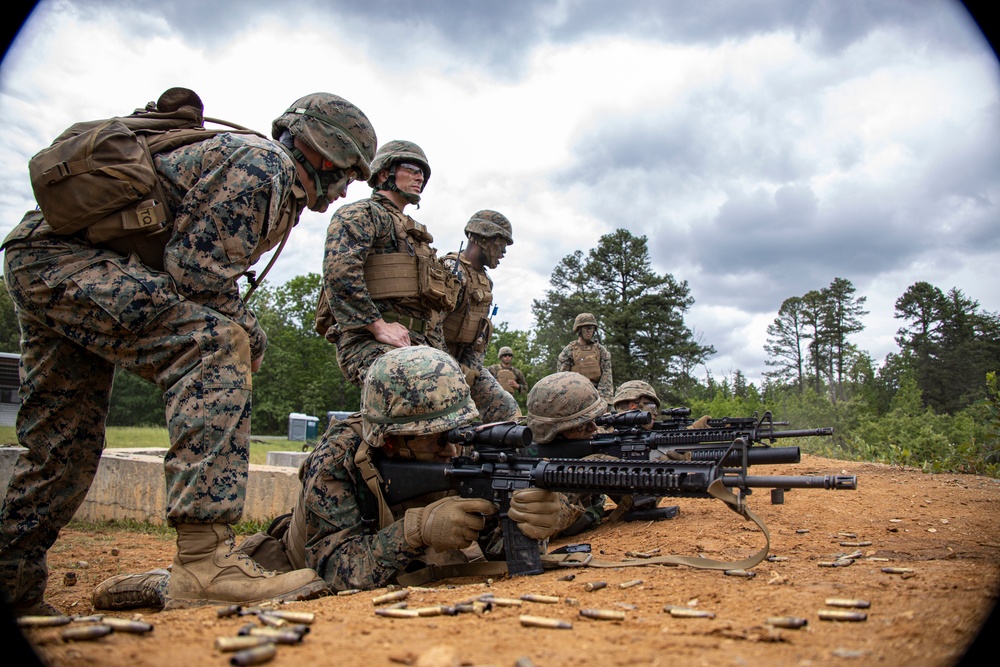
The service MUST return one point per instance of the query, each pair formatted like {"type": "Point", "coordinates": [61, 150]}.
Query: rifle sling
{"type": "Point", "coordinates": [552, 561]}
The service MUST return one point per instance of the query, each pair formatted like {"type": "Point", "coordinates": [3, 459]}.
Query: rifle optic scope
{"type": "Point", "coordinates": [495, 436]}
{"type": "Point", "coordinates": [626, 419]}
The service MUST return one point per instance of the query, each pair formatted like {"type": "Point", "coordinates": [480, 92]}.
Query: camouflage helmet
{"type": "Point", "coordinates": [333, 127]}
{"type": "Point", "coordinates": [505, 350]}
{"type": "Point", "coordinates": [633, 390]}
{"type": "Point", "coordinates": [398, 150]}
{"type": "Point", "coordinates": [487, 223]}
{"type": "Point", "coordinates": [560, 402]}
{"type": "Point", "coordinates": [582, 320]}
{"type": "Point", "coordinates": [416, 390]}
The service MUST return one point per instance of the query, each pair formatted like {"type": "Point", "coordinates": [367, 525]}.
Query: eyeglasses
{"type": "Point", "coordinates": [411, 168]}
{"type": "Point", "coordinates": [506, 355]}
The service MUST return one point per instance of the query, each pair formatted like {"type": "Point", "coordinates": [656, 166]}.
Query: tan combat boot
{"type": "Point", "coordinates": [131, 591]}
{"type": "Point", "coordinates": [208, 569]}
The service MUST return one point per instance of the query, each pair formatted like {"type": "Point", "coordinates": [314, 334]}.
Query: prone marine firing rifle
{"type": "Point", "coordinates": [493, 471]}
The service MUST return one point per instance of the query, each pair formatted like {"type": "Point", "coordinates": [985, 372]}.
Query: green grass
{"type": "Point", "coordinates": [127, 437]}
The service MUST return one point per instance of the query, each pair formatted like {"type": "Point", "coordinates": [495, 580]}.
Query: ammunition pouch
{"type": "Point", "coordinates": [399, 275]}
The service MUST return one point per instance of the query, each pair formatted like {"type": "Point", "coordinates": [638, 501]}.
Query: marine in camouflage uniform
{"type": "Point", "coordinates": [411, 397]}
{"type": "Point", "coordinates": [564, 406]}
{"type": "Point", "coordinates": [510, 377]}
{"type": "Point", "coordinates": [467, 329]}
{"type": "Point", "coordinates": [637, 395]}
{"type": "Point", "coordinates": [383, 285]}
{"type": "Point", "coordinates": [588, 357]}
{"type": "Point", "coordinates": [85, 309]}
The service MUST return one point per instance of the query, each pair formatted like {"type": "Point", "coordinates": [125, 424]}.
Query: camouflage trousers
{"type": "Point", "coordinates": [77, 324]}
{"type": "Point", "coordinates": [358, 350]}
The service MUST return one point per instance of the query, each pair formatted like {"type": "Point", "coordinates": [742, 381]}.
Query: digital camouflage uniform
{"type": "Point", "coordinates": [495, 371]}
{"type": "Point", "coordinates": [569, 360]}
{"type": "Point", "coordinates": [83, 310]}
{"type": "Point", "coordinates": [558, 403]}
{"type": "Point", "coordinates": [494, 402]}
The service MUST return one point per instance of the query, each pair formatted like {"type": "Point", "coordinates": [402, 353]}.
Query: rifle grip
{"type": "Point", "coordinates": [521, 552]}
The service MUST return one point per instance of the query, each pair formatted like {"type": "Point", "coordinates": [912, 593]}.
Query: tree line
{"type": "Point", "coordinates": [929, 402]}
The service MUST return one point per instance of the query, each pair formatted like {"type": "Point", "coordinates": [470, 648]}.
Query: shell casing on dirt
{"type": "Point", "coordinates": [435, 610]}
{"type": "Point", "coordinates": [839, 615]}
{"type": "Point", "coordinates": [254, 656]}
{"type": "Point", "coordinates": [277, 636]}
{"type": "Point", "coordinates": [595, 585]}
{"type": "Point", "coordinates": [847, 602]}
{"type": "Point", "coordinates": [394, 596]}
{"type": "Point", "coordinates": [271, 621]}
{"type": "Point", "coordinates": [503, 602]}
{"type": "Point", "coordinates": [603, 614]}
{"type": "Point", "coordinates": [230, 610]}
{"type": "Point", "coordinates": [897, 570]}
{"type": "Point", "coordinates": [349, 591]}
{"type": "Point", "coordinates": [864, 543]}
{"type": "Point", "coordinates": [630, 584]}
{"type": "Point", "coordinates": [687, 612]}
{"type": "Point", "coordinates": [543, 599]}
{"type": "Point", "coordinates": [397, 613]}
{"type": "Point", "coordinates": [42, 621]}
{"type": "Point", "coordinates": [567, 577]}
{"type": "Point", "coordinates": [125, 625]}
{"type": "Point", "coordinates": [303, 617]}
{"type": "Point", "coordinates": [777, 559]}
{"type": "Point", "coordinates": [530, 621]}
{"type": "Point", "coordinates": [240, 643]}
{"type": "Point", "coordinates": [93, 618]}
{"type": "Point", "coordinates": [86, 632]}
{"type": "Point", "coordinates": [791, 622]}
{"type": "Point", "coordinates": [746, 574]}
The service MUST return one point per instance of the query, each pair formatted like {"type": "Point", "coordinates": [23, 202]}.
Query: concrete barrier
{"type": "Point", "coordinates": [129, 485]}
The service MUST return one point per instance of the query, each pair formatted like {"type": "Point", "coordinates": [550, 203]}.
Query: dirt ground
{"type": "Point", "coordinates": [943, 528]}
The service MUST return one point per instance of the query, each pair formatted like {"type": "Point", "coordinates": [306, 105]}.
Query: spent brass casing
{"type": "Point", "coordinates": [603, 614]}
{"type": "Point", "coordinates": [254, 656]}
{"type": "Point", "coordinates": [849, 536]}
{"type": "Point", "coordinates": [434, 610]}
{"type": "Point", "coordinates": [349, 591]}
{"type": "Point", "coordinates": [856, 544]}
{"type": "Point", "coordinates": [504, 602]}
{"type": "Point", "coordinates": [125, 625]}
{"type": "Point", "coordinates": [686, 612]}
{"type": "Point", "coordinates": [304, 617]}
{"type": "Point", "coordinates": [544, 599]}
{"type": "Point", "coordinates": [42, 621]}
{"type": "Point", "coordinates": [843, 562]}
{"type": "Point", "coordinates": [630, 584]}
{"type": "Point", "coordinates": [231, 610]}
{"type": "Point", "coordinates": [397, 613]}
{"type": "Point", "coordinates": [277, 636]}
{"type": "Point", "coordinates": [86, 632]}
{"type": "Point", "coordinates": [792, 622]}
{"type": "Point", "coordinates": [746, 574]}
{"type": "Point", "coordinates": [897, 570]}
{"type": "Point", "coordinates": [394, 596]}
{"type": "Point", "coordinates": [595, 585]}
{"type": "Point", "coordinates": [845, 602]}
{"type": "Point", "coordinates": [839, 615]}
{"type": "Point", "coordinates": [93, 618]}
{"type": "Point", "coordinates": [529, 621]}
{"type": "Point", "coordinates": [641, 554]}
{"type": "Point", "coordinates": [271, 621]}
{"type": "Point", "coordinates": [240, 643]}
{"type": "Point", "coordinates": [567, 577]}
{"type": "Point", "coordinates": [777, 559]}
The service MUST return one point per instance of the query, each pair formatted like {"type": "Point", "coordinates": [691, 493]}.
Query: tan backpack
{"type": "Point", "coordinates": [98, 177]}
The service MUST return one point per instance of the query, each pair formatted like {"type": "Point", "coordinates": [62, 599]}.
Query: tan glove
{"type": "Point", "coordinates": [537, 512]}
{"type": "Point", "coordinates": [702, 422]}
{"type": "Point", "coordinates": [449, 523]}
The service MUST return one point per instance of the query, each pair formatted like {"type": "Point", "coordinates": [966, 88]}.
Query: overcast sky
{"type": "Point", "coordinates": [764, 147]}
